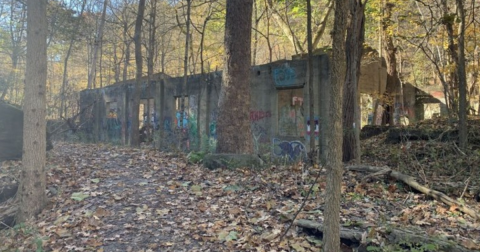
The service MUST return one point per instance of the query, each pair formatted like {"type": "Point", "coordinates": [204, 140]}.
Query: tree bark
{"type": "Point", "coordinates": [31, 192]}
{"type": "Point", "coordinates": [96, 46]}
{"type": "Point", "coordinates": [390, 51]}
{"type": "Point", "coordinates": [334, 130]}
{"type": "Point", "coordinates": [183, 90]}
{"type": "Point", "coordinates": [462, 78]}
{"type": "Point", "coordinates": [310, 82]}
{"type": "Point", "coordinates": [150, 63]}
{"type": "Point", "coordinates": [448, 20]}
{"type": "Point", "coordinates": [134, 133]}
{"type": "Point", "coordinates": [351, 110]}
{"type": "Point", "coordinates": [234, 133]}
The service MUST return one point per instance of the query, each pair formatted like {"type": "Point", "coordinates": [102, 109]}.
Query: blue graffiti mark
{"type": "Point", "coordinates": [284, 76]}
{"type": "Point", "coordinates": [185, 119]}
{"type": "Point", "coordinates": [294, 150]}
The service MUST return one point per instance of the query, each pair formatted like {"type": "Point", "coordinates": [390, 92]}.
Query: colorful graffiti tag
{"type": "Point", "coordinates": [291, 121]}
{"type": "Point", "coordinates": [293, 150]}
{"type": "Point", "coordinates": [259, 115]}
{"type": "Point", "coordinates": [178, 114]}
{"type": "Point", "coordinates": [317, 128]}
{"type": "Point", "coordinates": [284, 76]}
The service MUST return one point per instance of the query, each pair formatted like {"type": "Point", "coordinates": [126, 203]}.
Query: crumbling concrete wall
{"type": "Point", "coordinates": [279, 110]}
{"type": "Point", "coordinates": [11, 132]}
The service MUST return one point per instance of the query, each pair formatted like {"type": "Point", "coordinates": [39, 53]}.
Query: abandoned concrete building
{"type": "Point", "coordinates": [279, 107]}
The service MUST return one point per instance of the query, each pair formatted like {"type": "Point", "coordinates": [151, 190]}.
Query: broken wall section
{"type": "Point", "coordinates": [279, 112]}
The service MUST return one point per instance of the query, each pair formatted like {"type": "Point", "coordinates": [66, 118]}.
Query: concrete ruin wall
{"type": "Point", "coordinates": [11, 132]}
{"type": "Point", "coordinates": [279, 109]}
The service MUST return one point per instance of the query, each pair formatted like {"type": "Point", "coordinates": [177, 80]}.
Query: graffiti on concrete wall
{"type": "Point", "coordinates": [113, 124]}
{"type": "Point", "coordinates": [293, 150]}
{"type": "Point", "coordinates": [297, 101]}
{"type": "Point", "coordinates": [291, 121]}
{"type": "Point", "coordinates": [284, 76]}
{"type": "Point", "coordinates": [212, 127]}
{"type": "Point", "coordinates": [317, 128]}
{"type": "Point", "coordinates": [178, 118]}
{"type": "Point", "coordinates": [260, 136]}
{"type": "Point", "coordinates": [259, 115]}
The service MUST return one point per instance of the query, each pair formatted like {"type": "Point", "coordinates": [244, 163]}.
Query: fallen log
{"type": "Point", "coordinates": [352, 235]}
{"type": "Point", "coordinates": [8, 188]}
{"type": "Point", "coordinates": [414, 184]}
{"type": "Point", "coordinates": [393, 235]}
{"type": "Point", "coordinates": [8, 209]}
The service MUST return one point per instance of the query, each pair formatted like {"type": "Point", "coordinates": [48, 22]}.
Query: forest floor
{"type": "Point", "coordinates": [111, 198]}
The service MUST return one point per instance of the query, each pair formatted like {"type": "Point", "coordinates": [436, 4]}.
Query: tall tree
{"type": "Point", "coordinates": [96, 46]}
{"type": "Point", "coordinates": [135, 103]}
{"type": "Point", "coordinates": [184, 88]}
{"type": "Point", "coordinates": [63, 107]}
{"type": "Point", "coordinates": [351, 109]}
{"type": "Point", "coordinates": [390, 54]}
{"type": "Point", "coordinates": [151, 46]}
{"type": "Point", "coordinates": [462, 77]}
{"type": "Point", "coordinates": [234, 134]}
{"type": "Point", "coordinates": [310, 80]}
{"type": "Point", "coordinates": [15, 47]}
{"type": "Point", "coordinates": [31, 191]}
{"type": "Point", "coordinates": [334, 130]}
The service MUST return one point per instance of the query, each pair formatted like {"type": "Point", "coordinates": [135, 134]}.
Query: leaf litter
{"type": "Point", "coordinates": [111, 198]}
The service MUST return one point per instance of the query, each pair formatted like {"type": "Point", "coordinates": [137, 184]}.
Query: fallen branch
{"type": "Point", "coordinates": [414, 184]}
{"type": "Point", "coordinates": [352, 235]}
{"type": "Point", "coordinates": [393, 235]}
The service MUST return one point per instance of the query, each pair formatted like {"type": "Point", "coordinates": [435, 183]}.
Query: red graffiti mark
{"type": "Point", "coordinates": [297, 99]}
{"type": "Point", "coordinates": [317, 128]}
{"type": "Point", "coordinates": [259, 115]}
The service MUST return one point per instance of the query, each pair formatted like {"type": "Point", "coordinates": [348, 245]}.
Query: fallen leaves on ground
{"type": "Point", "coordinates": [110, 198]}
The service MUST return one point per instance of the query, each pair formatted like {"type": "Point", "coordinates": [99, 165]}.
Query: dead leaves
{"type": "Point", "coordinates": [110, 198]}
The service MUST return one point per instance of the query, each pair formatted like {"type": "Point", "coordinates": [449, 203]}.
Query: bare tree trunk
{"type": "Point", "coordinates": [354, 48]}
{"type": "Point", "coordinates": [184, 87]}
{"type": "Point", "coordinates": [233, 127]}
{"type": "Point", "coordinates": [63, 108]}
{"type": "Point", "coordinates": [285, 27]}
{"type": "Point", "coordinates": [127, 51]}
{"type": "Point", "coordinates": [334, 130]}
{"type": "Point", "coordinates": [16, 40]}
{"type": "Point", "coordinates": [150, 59]}
{"type": "Point", "coordinates": [310, 82]}
{"type": "Point", "coordinates": [323, 24]}
{"type": "Point", "coordinates": [134, 134]}
{"type": "Point", "coordinates": [462, 78]}
{"type": "Point", "coordinates": [204, 144]}
{"type": "Point", "coordinates": [390, 52]}
{"type": "Point", "coordinates": [31, 191]}
{"type": "Point", "coordinates": [255, 34]}
{"type": "Point", "coordinates": [453, 59]}
{"type": "Point", "coordinates": [96, 46]}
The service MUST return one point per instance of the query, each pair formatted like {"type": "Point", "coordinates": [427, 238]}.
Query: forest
{"type": "Point", "coordinates": [239, 125]}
